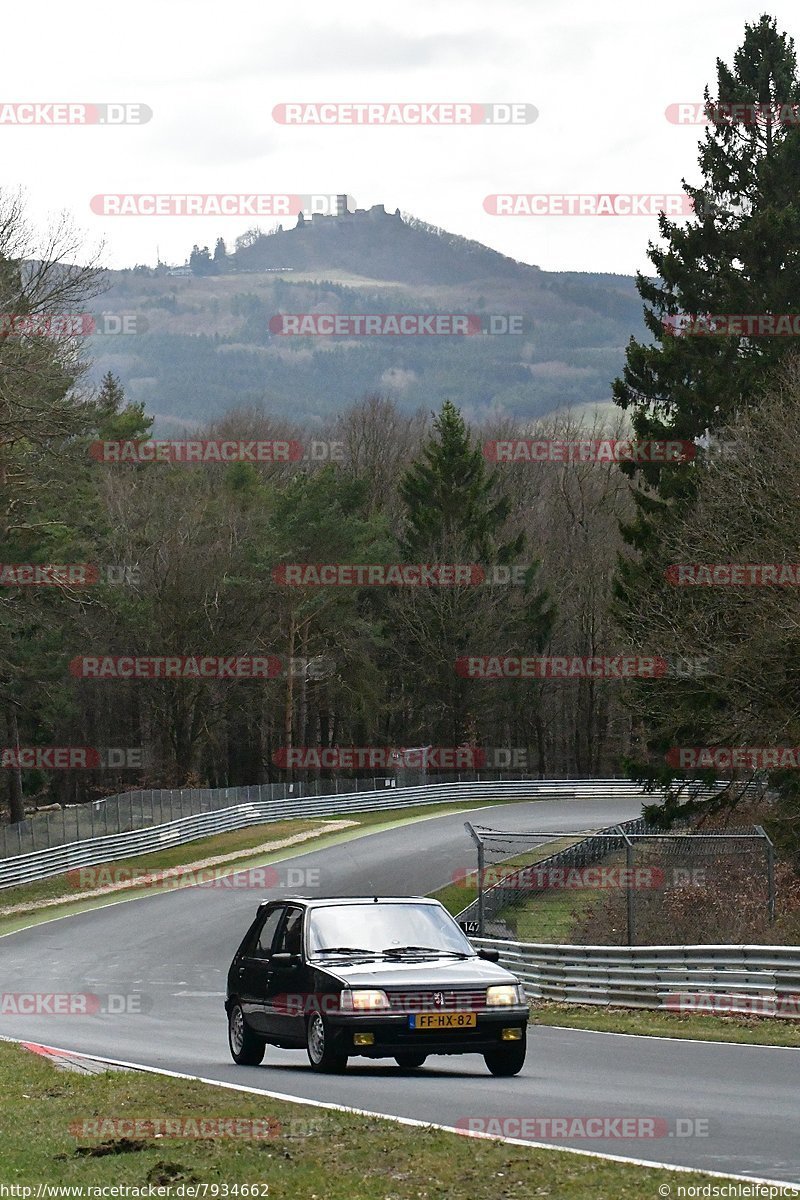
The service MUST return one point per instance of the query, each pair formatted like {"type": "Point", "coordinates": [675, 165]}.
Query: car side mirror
{"type": "Point", "coordinates": [284, 959]}
{"type": "Point", "coordinates": [489, 955]}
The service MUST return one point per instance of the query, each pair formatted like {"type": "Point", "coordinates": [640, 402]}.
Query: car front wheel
{"type": "Point", "coordinates": [508, 1059]}
{"type": "Point", "coordinates": [247, 1049]}
{"type": "Point", "coordinates": [321, 1053]}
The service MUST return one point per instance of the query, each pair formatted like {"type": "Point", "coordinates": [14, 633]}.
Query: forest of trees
{"type": "Point", "coordinates": [208, 346]}
{"type": "Point", "coordinates": [191, 557]}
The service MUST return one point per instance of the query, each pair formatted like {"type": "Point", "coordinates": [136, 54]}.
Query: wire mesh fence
{"type": "Point", "coordinates": [136, 810]}
{"type": "Point", "coordinates": [624, 885]}
{"type": "Point", "coordinates": [144, 809]}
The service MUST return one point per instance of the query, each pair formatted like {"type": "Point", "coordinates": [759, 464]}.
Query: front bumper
{"type": "Point", "coordinates": [393, 1034]}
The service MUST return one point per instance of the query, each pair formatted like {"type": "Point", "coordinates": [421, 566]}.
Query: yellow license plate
{"type": "Point", "coordinates": [443, 1020]}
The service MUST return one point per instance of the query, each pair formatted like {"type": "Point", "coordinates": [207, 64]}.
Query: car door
{"type": "Point", "coordinates": [254, 968]}
{"type": "Point", "coordinates": [286, 998]}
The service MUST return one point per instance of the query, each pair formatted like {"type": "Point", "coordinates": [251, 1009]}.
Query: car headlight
{"type": "Point", "coordinates": [504, 993]}
{"type": "Point", "coordinates": [364, 1000]}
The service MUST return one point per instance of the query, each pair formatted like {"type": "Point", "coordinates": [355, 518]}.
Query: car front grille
{"type": "Point", "coordinates": [438, 1000]}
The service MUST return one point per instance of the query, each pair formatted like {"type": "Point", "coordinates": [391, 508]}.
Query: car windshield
{"type": "Point", "coordinates": [371, 928]}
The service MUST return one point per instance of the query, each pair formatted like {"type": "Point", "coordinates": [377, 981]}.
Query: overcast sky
{"type": "Point", "coordinates": [600, 76]}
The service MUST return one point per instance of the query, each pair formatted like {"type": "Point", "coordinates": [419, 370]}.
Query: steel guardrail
{"type": "Point", "coordinates": [56, 860]}
{"type": "Point", "coordinates": [735, 979]}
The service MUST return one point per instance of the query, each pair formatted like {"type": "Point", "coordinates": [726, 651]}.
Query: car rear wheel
{"type": "Point", "coordinates": [247, 1049]}
{"type": "Point", "coordinates": [410, 1061]}
{"type": "Point", "coordinates": [321, 1053]}
{"type": "Point", "coordinates": [508, 1059]}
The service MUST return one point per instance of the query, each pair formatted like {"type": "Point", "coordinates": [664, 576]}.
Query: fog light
{"type": "Point", "coordinates": [511, 1035]}
{"type": "Point", "coordinates": [363, 1039]}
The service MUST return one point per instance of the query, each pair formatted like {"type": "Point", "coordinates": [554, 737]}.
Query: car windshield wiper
{"type": "Point", "coordinates": [426, 950]}
{"type": "Point", "coordinates": [344, 950]}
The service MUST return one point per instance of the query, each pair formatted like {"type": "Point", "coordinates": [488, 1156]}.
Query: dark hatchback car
{"type": "Point", "coordinates": [381, 978]}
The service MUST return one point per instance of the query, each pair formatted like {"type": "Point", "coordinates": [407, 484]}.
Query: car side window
{"type": "Point", "coordinates": [262, 945]}
{"type": "Point", "coordinates": [291, 937]}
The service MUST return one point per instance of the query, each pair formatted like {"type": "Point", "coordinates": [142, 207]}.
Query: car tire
{"type": "Point", "coordinates": [409, 1061]}
{"type": "Point", "coordinates": [247, 1049]}
{"type": "Point", "coordinates": [508, 1059]}
{"type": "Point", "coordinates": [321, 1053]}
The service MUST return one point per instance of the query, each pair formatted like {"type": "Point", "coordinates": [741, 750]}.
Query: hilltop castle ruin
{"type": "Point", "coordinates": [343, 216]}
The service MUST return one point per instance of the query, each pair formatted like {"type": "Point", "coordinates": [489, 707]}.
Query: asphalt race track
{"type": "Point", "coordinates": [173, 951]}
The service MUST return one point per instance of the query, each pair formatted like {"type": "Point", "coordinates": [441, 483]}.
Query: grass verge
{"type": "Point", "coordinates": [311, 1153]}
{"type": "Point", "coordinates": [757, 1031]}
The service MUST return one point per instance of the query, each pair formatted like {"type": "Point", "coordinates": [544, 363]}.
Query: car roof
{"type": "Point", "coordinates": [328, 901]}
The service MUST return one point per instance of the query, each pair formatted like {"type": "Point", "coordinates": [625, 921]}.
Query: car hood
{"type": "Point", "coordinates": [434, 972]}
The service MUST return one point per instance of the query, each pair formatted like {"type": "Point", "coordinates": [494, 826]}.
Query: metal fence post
{"type": "Point", "coordinates": [629, 889]}
{"type": "Point", "coordinates": [478, 842]}
{"type": "Point", "coordinates": [770, 872]}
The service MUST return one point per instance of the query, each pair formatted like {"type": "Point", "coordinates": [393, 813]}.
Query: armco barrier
{"type": "Point", "coordinates": [142, 809]}
{"type": "Point", "coordinates": [744, 978]}
{"type": "Point", "coordinates": [42, 864]}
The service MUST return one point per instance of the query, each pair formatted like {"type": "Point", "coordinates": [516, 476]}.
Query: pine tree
{"type": "Point", "coordinates": [455, 513]}
{"type": "Point", "coordinates": [220, 254]}
{"type": "Point", "coordinates": [740, 254]}
{"type": "Point", "coordinates": [451, 499]}
{"type": "Point", "coordinates": [118, 420]}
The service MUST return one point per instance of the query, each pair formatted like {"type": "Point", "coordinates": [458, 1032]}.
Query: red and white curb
{"type": "Point", "coordinates": [68, 1060]}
